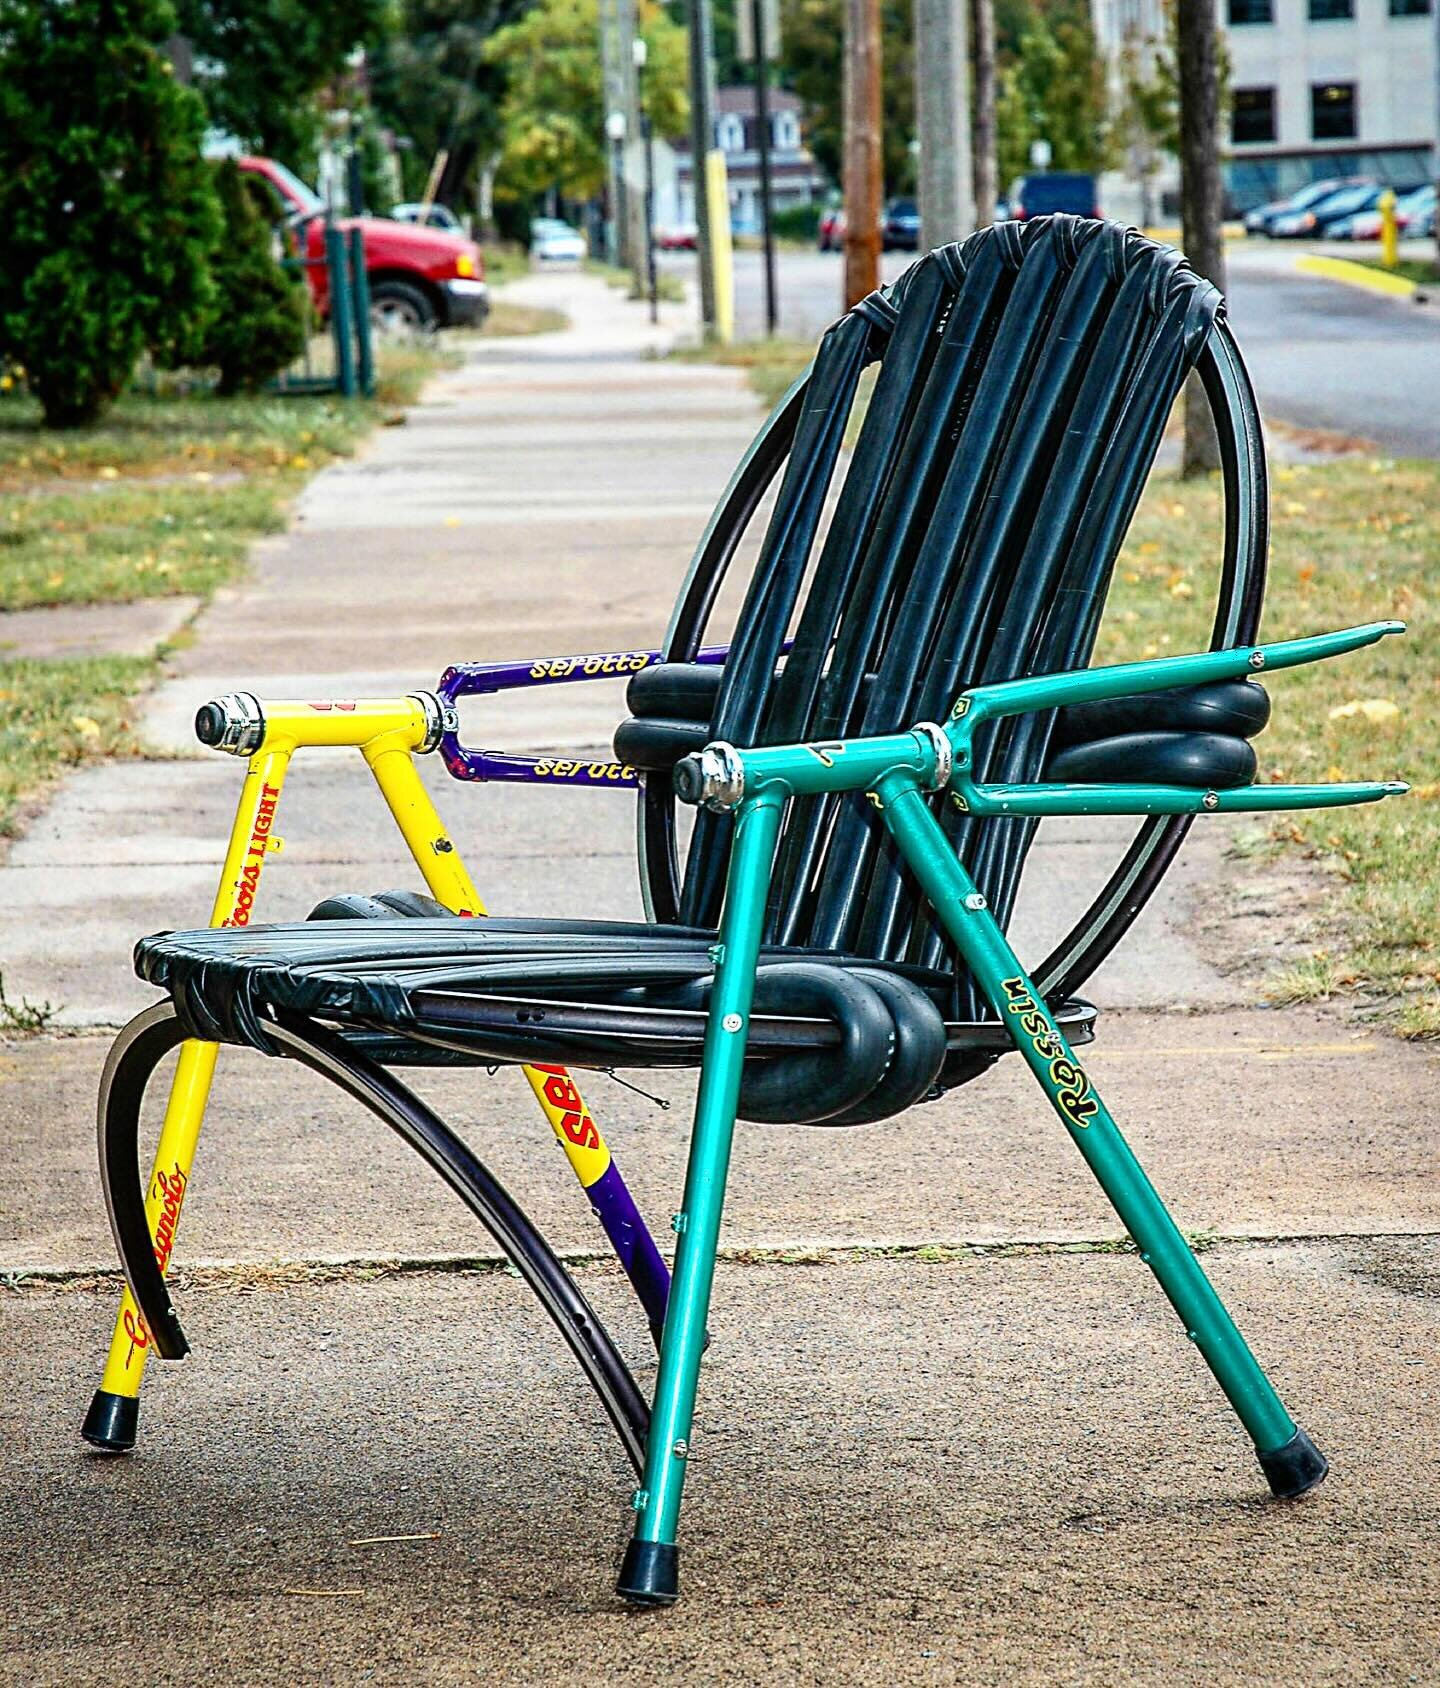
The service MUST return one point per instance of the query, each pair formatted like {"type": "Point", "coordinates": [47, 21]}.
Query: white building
{"type": "Point", "coordinates": [1318, 88]}
{"type": "Point", "coordinates": [796, 179]}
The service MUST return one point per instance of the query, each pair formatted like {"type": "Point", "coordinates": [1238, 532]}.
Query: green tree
{"type": "Point", "coordinates": [1054, 90]}
{"type": "Point", "coordinates": [258, 324]}
{"type": "Point", "coordinates": [812, 37]}
{"type": "Point", "coordinates": [552, 116]}
{"type": "Point", "coordinates": [432, 84]}
{"type": "Point", "coordinates": [1150, 115]}
{"type": "Point", "coordinates": [261, 65]}
{"type": "Point", "coordinates": [107, 211]}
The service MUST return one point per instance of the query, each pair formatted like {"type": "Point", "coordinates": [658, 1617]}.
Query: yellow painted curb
{"type": "Point", "coordinates": [1355, 275]}
{"type": "Point", "coordinates": [1170, 232]}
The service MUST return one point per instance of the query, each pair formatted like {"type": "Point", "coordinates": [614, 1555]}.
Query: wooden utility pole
{"type": "Point", "coordinates": [942, 121]}
{"type": "Point", "coordinates": [863, 167]}
{"type": "Point", "coordinates": [982, 118]}
{"type": "Point", "coordinates": [1197, 58]}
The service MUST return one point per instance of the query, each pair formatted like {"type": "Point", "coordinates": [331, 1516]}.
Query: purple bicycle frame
{"type": "Point", "coordinates": [609, 1195]}
{"type": "Point", "coordinates": [471, 679]}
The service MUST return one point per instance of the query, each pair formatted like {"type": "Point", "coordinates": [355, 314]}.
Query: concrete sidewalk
{"type": "Point", "coordinates": [947, 1432]}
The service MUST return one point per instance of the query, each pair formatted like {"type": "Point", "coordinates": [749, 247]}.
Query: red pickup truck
{"type": "Point", "coordinates": [419, 277]}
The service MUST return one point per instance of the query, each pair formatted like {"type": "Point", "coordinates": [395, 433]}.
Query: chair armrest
{"type": "Point", "coordinates": [721, 776]}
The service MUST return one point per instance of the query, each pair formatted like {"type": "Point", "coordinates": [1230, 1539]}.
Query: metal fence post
{"type": "Point", "coordinates": [364, 331]}
{"type": "Point", "coordinates": [341, 306]}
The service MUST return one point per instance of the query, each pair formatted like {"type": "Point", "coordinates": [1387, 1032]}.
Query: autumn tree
{"type": "Point", "coordinates": [261, 65]}
{"type": "Point", "coordinates": [552, 113]}
{"type": "Point", "coordinates": [1053, 89]}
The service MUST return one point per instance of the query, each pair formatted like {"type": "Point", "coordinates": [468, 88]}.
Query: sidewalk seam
{"type": "Point", "coordinates": [291, 1272]}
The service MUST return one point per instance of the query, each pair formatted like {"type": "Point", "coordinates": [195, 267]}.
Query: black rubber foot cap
{"type": "Point", "coordinates": [1293, 1469]}
{"type": "Point", "coordinates": [650, 1575]}
{"type": "Point", "coordinates": [112, 1422]}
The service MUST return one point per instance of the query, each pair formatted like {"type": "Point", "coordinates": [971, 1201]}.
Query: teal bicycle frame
{"type": "Point", "coordinates": [896, 771]}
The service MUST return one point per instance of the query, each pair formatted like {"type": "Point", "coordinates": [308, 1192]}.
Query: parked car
{"type": "Point", "coordinates": [1055, 190]}
{"type": "Point", "coordinates": [1315, 220]}
{"type": "Point", "coordinates": [436, 216]}
{"type": "Point", "coordinates": [1261, 219]}
{"type": "Point", "coordinates": [553, 241]}
{"type": "Point", "coordinates": [900, 226]}
{"type": "Point", "coordinates": [1414, 216]}
{"type": "Point", "coordinates": [420, 278]}
{"type": "Point", "coordinates": [832, 229]}
{"type": "Point", "coordinates": [678, 237]}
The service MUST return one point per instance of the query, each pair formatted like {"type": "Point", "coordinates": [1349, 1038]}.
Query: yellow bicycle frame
{"type": "Point", "coordinates": [388, 732]}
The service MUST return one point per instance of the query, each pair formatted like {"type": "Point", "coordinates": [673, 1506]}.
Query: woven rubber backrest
{"type": "Point", "coordinates": [1025, 380]}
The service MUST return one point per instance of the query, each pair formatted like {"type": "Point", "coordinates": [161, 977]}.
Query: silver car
{"type": "Point", "coordinates": [555, 242]}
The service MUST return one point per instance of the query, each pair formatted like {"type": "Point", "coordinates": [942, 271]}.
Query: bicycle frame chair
{"type": "Point", "coordinates": [832, 912]}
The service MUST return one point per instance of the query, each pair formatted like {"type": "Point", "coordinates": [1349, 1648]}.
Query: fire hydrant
{"type": "Point", "coordinates": [1389, 230]}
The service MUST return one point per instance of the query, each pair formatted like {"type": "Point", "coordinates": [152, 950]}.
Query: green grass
{"type": "Point", "coordinates": [505, 260]}
{"type": "Point", "coordinates": [55, 715]}
{"type": "Point", "coordinates": [670, 287]}
{"type": "Point", "coordinates": [139, 540]}
{"type": "Point", "coordinates": [509, 316]}
{"type": "Point", "coordinates": [770, 365]}
{"type": "Point", "coordinates": [162, 497]}
{"type": "Point", "coordinates": [1355, 540]}
{"type": "Point", "coordinates": [169, 435]}
{"type": "Point", "coordinates": [1421, 270]}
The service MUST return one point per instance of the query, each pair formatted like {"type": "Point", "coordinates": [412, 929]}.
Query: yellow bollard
{"type": "Point", "coordinates": [1389, 230]}
{"type": "Point", "coordinates": [722, 256]}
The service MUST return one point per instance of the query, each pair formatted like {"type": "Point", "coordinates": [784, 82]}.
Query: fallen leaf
{"type": "Point", "coordinates": [85, 726]}
{"type": "Point", "coordinates": [419, 1535]}
{"type": "Point", "coordinates": [1374, 709]}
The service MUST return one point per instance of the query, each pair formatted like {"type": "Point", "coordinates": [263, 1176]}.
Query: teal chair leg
{"type": "Point", "coordinates": [649, 1575]}
{"type": "Point", "coordinates": [1289, 1459]}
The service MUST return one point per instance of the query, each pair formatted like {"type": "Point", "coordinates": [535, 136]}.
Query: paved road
{"type": "Point", "coordinates": [1323, 355]}
{"type": "Point", "coordinates": [1330, 356]}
